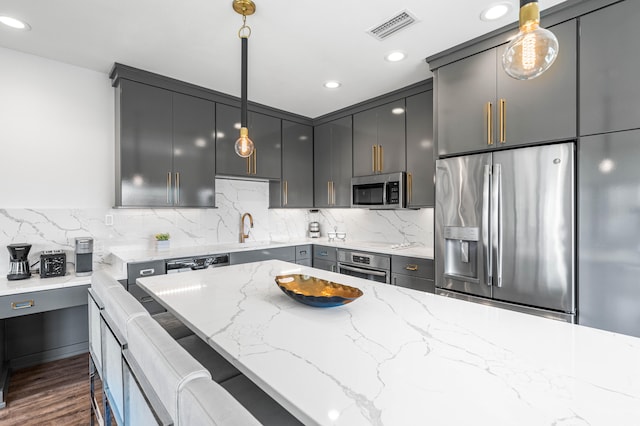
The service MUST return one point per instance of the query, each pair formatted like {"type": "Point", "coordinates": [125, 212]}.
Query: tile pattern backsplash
{"type": "Point", "coordinates": [56, 228]}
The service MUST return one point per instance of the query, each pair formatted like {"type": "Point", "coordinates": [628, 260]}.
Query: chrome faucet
{"type": "Point", "coordinates": [244, 236]}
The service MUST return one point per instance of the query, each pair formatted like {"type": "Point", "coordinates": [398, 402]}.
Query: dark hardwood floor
{"type": "Point", "coordinates": [55, 393]}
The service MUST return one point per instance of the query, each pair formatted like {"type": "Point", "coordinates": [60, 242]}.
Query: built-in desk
{"type": "Point", "coordinates": [398, 356]}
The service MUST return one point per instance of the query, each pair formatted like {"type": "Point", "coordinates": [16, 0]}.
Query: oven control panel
{"type": "Point", "coordinates": [365, 260]}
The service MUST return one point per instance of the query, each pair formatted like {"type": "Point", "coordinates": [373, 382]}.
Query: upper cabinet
{"type": "Point", "coordinates": [332, 152]}
{"type": "Point", "coordinates": [165, 148]}
{"type": "Point", "coordinates": [420, 155]}
{"type": "Point", "coordinates": [296, 188]}
{"type": "Point", "coordinates": [379, 139]}
{"type": "Point", "coordinates": [609, 62]}
{"type": "Point", "coordinates": [264, 131]}
{"type": "Point", "coordinates": [481, 107]}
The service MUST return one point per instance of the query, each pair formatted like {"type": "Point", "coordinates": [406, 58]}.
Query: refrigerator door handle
{"type": "Point", "coordinates": [486, 235]}
{"type": "Point", "coordinates": [499, 219]}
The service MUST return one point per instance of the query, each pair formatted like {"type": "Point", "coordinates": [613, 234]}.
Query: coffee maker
{"type": "Point", "coordinates": [18, 261]}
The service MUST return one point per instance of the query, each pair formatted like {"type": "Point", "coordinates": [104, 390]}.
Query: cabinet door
{"type": "Point", "coordinates": [609, 62]}
{"type": "Point", "coordinates": [543, 109]}
{"type": "Point", "coordinates": [464, 88]}
{"type": "Point", "coordinates": [145, 155]}
{"type": "Point", "coordinates": [391, 136]}
{"type": "Point", "coordinates": [266, 135]}
{"type": "Point", "coordinates": [194, 151]}
{"type": "Point", "coordinates": [322, 164]}
{"type": "Point", "coordinates": [414, 283]}
{"type": "Point", "coordinates": [365, 137]}
{"type": "Point", "coordinates": [297, 165]}
{"type": "Point", "coordinates": [341, 153]}
{"type": "Point", "coordinates": [420, 158]}
{"type": "Point", "coordinates": [227, 132]}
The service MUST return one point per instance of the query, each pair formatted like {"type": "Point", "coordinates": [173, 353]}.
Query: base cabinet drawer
{"type": "Point", "coordinates": [304, 262]}
{"type": "Point", "coordinates": [42, 301]}
{"type": "Point", "coordinates": [325, 253]}
{"type": "Point", "coordinates": [413, 267]}
{"type": "Point", "coordinates": [144, 269]}
{"type": "Point", "coordinates": [414, 283]}
{"type": "Point", "coordinates": [303, 252]}
{"type": "Point", "coordinates": [327, 265]}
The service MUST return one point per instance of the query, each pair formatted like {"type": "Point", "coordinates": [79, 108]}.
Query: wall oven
{"type": "Point", "coordinates": [383, 191]}
{"type": "Point", "coordinates": [374, 267]}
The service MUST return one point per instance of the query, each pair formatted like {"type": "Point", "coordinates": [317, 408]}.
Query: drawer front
{"type": "Point", "coordinates": [414, 283]}
{"type": "Point", "coordinates": [42, 301]}
{"type": "Point", "coordinates": [288, 254]}
{"type": "Point", "coordinates": [325, 253]}
{"type": "Point", "coordinates": [304, 262]}
{"type": "Point", "coordinates": [303, 252]}
{"type": "Point", "coordinates": [145, 300]}
{"type": "Point", "coordinates": [327, 265]}
{"type": "Point", "coordinates": [413, 267]}
{"type": "Point", "coordinates": [144, 269]}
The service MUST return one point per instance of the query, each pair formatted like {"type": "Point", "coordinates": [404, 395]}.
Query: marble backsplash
{"type": "Point", "coordinates": [56, 228]}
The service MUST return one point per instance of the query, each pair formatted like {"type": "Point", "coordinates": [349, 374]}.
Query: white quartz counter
{"type": "Point", "coordinates": [401, 357]}
{"type": "Point", "coordinates": [127, 255]}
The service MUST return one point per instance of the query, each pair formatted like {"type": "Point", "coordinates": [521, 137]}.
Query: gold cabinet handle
{"type": "Point", "coordinates": [333, 194]}
{"type": "Point", "coordinates": [177, 187]}
{"type": "Point", "coordinates": [169, 188]}
{"type": "Point", "coordinates": [328, 192]}
{"type": "Point", "coordinates": [249, 164]}
{"type": "Point", "coordinates": [255, 161]}
{"type": "Point", "coordinates": [286, 193]}
{"type": "Point", "coordinates": [374, 157]}
{"type": "Point", "coordinates": [411, 267]}
{"type": "Point", "coordinates": [489, 116]}
{"type": "Point", "coordinates": [502, 115]}
{"type": "Point", "coordinates": [380, 158]}
{"type": "Point", "coordinates": [22, 305]}
{"type": "Point", "coordinates": [409, 188]}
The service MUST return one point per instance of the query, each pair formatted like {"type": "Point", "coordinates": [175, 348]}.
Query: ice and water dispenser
{"type": "Point", "coordinates": [461, 253]}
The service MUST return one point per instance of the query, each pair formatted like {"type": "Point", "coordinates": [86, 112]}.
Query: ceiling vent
{"type": "Point", "coordinates": [393, 25]}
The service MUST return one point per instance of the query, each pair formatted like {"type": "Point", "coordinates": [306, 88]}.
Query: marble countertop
{"type": "Point", "coordinates": [35, 283]}
{"type": "Point", "coordinates": [127, 255]}
{"type": "Point", "coordinates": [397, 356]}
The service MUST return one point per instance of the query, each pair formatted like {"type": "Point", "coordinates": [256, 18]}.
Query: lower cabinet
{"type": "Point", "coordinates": [303, 255]}
{"type": "Point", "coordinates": [141, 270]}
{"type": "Point", "coordinates": [325, 257]}
{"type": "Point", "coordinates": [288, 254]}
{"type": "Point", "coordinates": [414, 273]}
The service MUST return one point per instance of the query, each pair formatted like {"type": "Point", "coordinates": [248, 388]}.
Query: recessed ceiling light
{"type": "Point", "coordinates": [14, 23]}
{"type": "Point", "coordinates": [395, 56]}
{"type": "Point", "coordinates": [332, 84]}
{"type": "Point", "coordinates": [495, 11]}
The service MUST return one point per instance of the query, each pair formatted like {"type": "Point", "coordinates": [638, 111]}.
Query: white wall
{"type": "Point", "coordinates": [56, 133]}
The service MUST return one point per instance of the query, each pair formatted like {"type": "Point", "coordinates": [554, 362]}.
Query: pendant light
{"type": "Point", "coordinates": [534, 49]}
{"type": "Point", "coordinates": [244, 145]}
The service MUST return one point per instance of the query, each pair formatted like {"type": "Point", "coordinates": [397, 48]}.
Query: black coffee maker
{"type": "Point", "coordinates": [18, 262]}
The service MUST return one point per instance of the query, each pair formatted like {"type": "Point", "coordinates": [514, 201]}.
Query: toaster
{"type": "Point", "coordinates": [53, 263]}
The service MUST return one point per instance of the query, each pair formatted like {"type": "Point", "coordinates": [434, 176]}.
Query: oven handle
{"type": "Point", "coordinates": [363, 271]}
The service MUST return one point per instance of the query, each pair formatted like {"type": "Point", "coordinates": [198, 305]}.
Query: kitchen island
{"type": "Point", "coordinates": [397, 356]}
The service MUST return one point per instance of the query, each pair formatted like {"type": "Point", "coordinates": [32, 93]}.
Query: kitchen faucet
{"type": "Point", "coordinates": [244, 236]}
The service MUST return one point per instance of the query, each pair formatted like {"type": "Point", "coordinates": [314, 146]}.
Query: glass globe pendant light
{"type": "Point", "coordinates": [534, 49]}
{"type": "Point", "coordinates": [244, 145]}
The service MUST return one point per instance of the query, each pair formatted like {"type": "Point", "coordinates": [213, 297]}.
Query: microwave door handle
{"type": "Point", "coordinates": [486, 235]}
{"type": "Point", "coordinates": [385, 188]}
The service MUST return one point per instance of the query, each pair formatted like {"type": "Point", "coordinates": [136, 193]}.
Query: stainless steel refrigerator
{"type": "Point", "coordinates": [505, 229]}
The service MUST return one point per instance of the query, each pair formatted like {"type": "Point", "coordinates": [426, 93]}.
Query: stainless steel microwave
{"type": "Point", "coordinates": [383, 191]}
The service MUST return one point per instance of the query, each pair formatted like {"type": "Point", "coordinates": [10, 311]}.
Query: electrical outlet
{"type": "Point", "coordinates": [108, 220]}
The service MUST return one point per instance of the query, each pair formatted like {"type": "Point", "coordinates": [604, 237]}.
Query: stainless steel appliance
{"type": "Point", "coordinates": [197, 262]}
{"type": "Point", "coordinates": [505, 225]}
{"type": "Point", "coordinates": [314, 229]}
{"type": "Point", "coordinates": [84, 256]}
{"type": "Point", "coordinates": [375, 267]}
{"type": "Point", "coordinates": [18, 261]}
{"type": "Point", "coordinates": [383, 191]}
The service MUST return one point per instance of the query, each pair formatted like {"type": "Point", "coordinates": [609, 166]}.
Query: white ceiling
{"type": "Point", "coordinates": [295, 46]}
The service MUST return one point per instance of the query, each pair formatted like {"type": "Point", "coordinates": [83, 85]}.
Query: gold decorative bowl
{"type": "Point", "coordinates": [316, 292]}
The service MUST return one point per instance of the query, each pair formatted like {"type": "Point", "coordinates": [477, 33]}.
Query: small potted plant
{"type": "Point", "coordinates": [162, 241]}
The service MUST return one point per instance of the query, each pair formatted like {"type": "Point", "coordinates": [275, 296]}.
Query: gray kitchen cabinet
{"type": "Point", "coordinates": [480, 107]}
{"type": "Point", "coordinates": [609, 232]}
{"type": "Point", "coordinates": [379, 139]}
{"type": "Point", "coordinates": [265, 133]}
{"type": "Point", "coordinates": [137, 270]}
{"type": "Point", "coordinates": [609, 62]}
{"type": "Point", "coordinates": [303, 255]}
{"type": "Point", "coordinates": [414, 273]}
{"type": "Point", "coordinates": [325, 257]}
{"type": "Point", "coordinates": [288, 254]}
{"type": "Point", "coordinates": [420, 150]}
{"type": "Point", "coordinates": [295, 190]}
{"type": "Point", "coordinates": [165, 148]}
{"type": "Point", "coordinates": [332, 153]}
